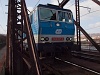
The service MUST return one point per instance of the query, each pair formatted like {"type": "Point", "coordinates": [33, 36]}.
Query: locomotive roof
{"type": "Point", "coordinates": [53, 7]}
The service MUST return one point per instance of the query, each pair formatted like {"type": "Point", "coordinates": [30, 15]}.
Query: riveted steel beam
{"type": "Point", "coordinates": [20, 61]}
{"type": "Point", "coordinates": [78, 23]}
{"type": "Point", "coordinates": [88, 37]}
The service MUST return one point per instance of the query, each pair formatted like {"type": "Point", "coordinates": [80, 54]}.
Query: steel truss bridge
{"type": "Point", "coordinates": [18, 60]}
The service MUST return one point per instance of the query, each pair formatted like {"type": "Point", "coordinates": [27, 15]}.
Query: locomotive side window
{"type": "Point", "coordinates": [47, 14]}
{"type": "Point", "coordinates": [35, 15]}
{"type": "Point", "coordinates": [65, 16]}
{"type": "Point", "coordinates": [31, 19]}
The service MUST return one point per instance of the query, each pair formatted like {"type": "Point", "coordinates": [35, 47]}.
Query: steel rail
{"type": "Point", "coordinates": [87, 57]}
{"type": "Point", "coordinates": [85, 53]}
{"type": "Point", "coordinates": [82, 67]}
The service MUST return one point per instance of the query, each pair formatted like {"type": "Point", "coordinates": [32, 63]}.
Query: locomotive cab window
{"type": "Point", "coordinates": [47, 14]}
{"type": "Point", "coordinates": [31, 17]}
{"type": "Point", "coordinates": [65, 16]}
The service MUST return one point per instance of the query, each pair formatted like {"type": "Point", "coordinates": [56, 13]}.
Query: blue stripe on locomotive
{"type": "Point", "coordinates": [34, 22]}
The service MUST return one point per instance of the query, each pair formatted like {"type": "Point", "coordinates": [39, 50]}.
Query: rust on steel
{"type": "Point", "coordinates": [61, 5]}
{"type": "Point", "coordinates": [7, 67]}
{"type": "Point", "coordinates": [79, 28]}
{"type": "Point", "coordinates": [18, 60]}
{"type": "Point", "coordinates": [31, 41]}
{"type": "Point", "coordinates": [88, 37]}
{"type": "Point", "coordinates": [78, 23]}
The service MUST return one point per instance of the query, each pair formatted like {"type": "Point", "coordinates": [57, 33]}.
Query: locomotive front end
{"type": "Point", "coordinates": [55, 25]}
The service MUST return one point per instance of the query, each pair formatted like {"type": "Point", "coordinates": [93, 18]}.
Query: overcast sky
{"type": "Point", "coordinates": [90, 17]}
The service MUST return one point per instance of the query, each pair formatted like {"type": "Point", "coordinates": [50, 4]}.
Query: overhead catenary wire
{"type": "Point", "coordinates": [89, 9]}
{"type": "Point", "coordinates": [84, 7]}
{"type": "Point", "coordinates": [2, 28]}
{"type": "Point", "coordinates": [73, 4]}
{"type": "Point", "coordinates": [36, 3]}
{"type": "Point", "coordinates": [86, 14]}
{"type": "Point", "coordinates": [2, 8]}
{"type": "Point", "coordinates": [89, 13]}
{"type": "Point", "coordinates": [4, 16]}
{"type": "Point", "coordinates": [35, 6]}
{"type": "Point", "coordinates": [93, 28]}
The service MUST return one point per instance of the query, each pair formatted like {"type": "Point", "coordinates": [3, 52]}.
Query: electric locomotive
{"type": "Point", "coordinates": [52, 27]}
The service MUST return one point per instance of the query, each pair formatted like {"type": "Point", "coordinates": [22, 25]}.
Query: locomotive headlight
{"type": "Point", "coordinates": [57, 24]}
{"type": "Point", "coordinates": [42, 38]}
{"type": "Point", "coordinates": [67, 39]}
{"type": "Point", "coordinates": [46, 39]}
{"type": "Point", "coordinates": [70, 38]}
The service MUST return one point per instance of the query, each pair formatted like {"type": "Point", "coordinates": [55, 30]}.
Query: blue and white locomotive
{"type": "Point", "coordinates": [52, 26]}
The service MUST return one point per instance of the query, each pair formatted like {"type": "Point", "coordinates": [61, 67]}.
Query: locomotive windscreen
{"type": "Point", "coordinates": [65, 16]}
{"type": "Point", "coordinates": [56, 15]}
{"type": "Point", "coordinates": [47, 14]}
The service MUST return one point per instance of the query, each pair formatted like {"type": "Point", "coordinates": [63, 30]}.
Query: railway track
{"type": "Point", "coordinates": [81, 66]}
{"type": "Point", "coordinates": [86, 55]}
{"type": "Point", "coordinates": [60, 66]}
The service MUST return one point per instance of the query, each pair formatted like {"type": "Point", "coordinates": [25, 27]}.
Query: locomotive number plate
{"type": "Point", "coordinates": [57, 39]}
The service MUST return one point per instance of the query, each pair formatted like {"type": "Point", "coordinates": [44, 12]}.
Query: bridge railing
{"type": "Point", "coordinates": [87, 46]}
